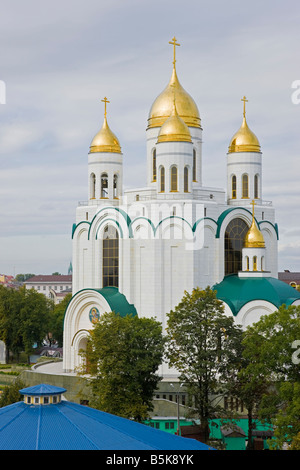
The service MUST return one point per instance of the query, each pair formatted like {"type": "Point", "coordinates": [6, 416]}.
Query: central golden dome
{"type": "Point", "coordinates": [174, 129]}
{"type": "Point", "coordinates": [163, 105]}
{"type": "Point", "coordinates": [244, 140]}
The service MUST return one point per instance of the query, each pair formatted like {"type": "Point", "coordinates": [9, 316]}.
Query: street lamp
{"type": "Point", "coordinates": [177, 395]}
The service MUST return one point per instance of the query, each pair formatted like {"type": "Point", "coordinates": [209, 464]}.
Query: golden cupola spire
{"type": "Point", "coordinates": [163, 105]}
{"type": "Point", "coordinates": [105, 140]}
{"type": "Point", "coordinates": [254, 238]}
{"type": "Point", "coordinates": [244, 140]}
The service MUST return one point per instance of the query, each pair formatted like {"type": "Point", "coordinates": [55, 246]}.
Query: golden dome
{"type": "Point", "coordinates": [174, 129]}
{"type": "Point", "coordinates": [105, 140]}
{"type": "Point", "coordinates": [244, 140]}
{"type": "Point", "coordinates": [254, 238]}
{"type": "Point", "coordinates": [163, 105]}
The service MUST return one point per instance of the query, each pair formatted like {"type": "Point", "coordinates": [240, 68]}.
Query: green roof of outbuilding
{"type": "Point", "coordinates": [237, 292]}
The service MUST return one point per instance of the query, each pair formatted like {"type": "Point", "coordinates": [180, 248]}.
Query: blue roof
{"type": "Point", "coordinates": [70, 426]}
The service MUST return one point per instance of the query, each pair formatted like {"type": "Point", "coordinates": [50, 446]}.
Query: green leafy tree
{"type": "Point", "coordinates": [204, 346]}
{"type": "Point", "coordinates": [123, 356]}
{"type": "Point", "coordinates": [10, 305]}
{"type": "Point", "coordinates": [11, 393]}
{"type": "Point", "coordinates": [57, 316]}
{"type": "Point", "coordinates": [269, 349]}
{"type": "Point", "coordinates": [24, 319]}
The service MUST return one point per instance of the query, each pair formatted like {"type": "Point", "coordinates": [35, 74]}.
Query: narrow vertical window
{"type": "Point", "coordinates": [104, 185]}
{"type": "Point", "coordinates": [115, 187]}
{"type": "Point", "coordinates": [186, 179]}
{"type": "Point", "coordinates": [110, 257]}
{"type": "Point", "coordinates": [247, 263]}
{"type": "Point", "coordinates": [174, 178]}
{"type": "Point", "coordinates": [254, 263]}
{"type": "Point", "coordinates": [162, 179]}
{"type": "Point", "coordinates": [154, 165]}
{"type": "Point", "coordinates": [194, 165]}
{"type": "Point", "coordinates": [245, 186]}
{"type": "Point", "coordinates": [92, 186]}
{"type": "Point", "coordinates": [256, 187]}
{"type": "Point", "coordinates": [233, 187]}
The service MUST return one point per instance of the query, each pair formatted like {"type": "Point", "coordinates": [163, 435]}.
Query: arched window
{"type": "Point", "coordinates": [104, 185]}
{"type": "Point", "coordinates": [262, 263]}
{"type": "Point", "coordinates": [115, 186]}
{"type": "Point", "coordinates": [254, 263]}
{"type": "Point", "coordinates": [194, 165]}
{"type": "Point", "coordinates": [256, 187]}
{"type": "Point", "coordinates": [247, 263]}
{"type": "Point", "coordinates": [186, 179]}
{"type": "Point", "coordinates": [110, 257]}
{"type": "Point", "coordinates": [154, 165]}
{"type": "Point", "coordinates": [245, 186]}
{"type": "Point", "coordinates": [162, 179]}
{"type": "Point", "coordinates": [92, 186]}
{"type": "Point", "coordinates": [233, 187]}
{"type": "Point", "coordinates": [233, 244]}
{"type": "Point", "coordinates": [174, 178]}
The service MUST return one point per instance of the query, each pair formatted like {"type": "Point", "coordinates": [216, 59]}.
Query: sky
{"type": "Point", "coordinates": [59, 59]}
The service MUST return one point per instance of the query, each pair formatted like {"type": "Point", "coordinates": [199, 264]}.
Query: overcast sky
{"type": "Point", "coordinates": [58, 60]}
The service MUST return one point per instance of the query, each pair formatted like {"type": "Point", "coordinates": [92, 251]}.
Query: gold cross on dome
{"type": "Point", "coordinates": [244, 99]}
{"type": "Point", "coordinates": [253, 203]}
{"type": "Point", "coordinates": [174, 44]}
{"type": "Point", "coordinates": [105, 101]}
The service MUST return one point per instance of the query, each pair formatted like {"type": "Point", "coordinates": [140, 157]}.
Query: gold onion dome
{"type": "Point", "coordinates": [254, 238]}
{"type": "Point", "coordinates": [105, 140]}
{"type": "Point", "coordinates": [163, 105]}
{"type": "Point", "coordinates": [244, 140]}
{"type": "Point", "coordinates": [174, 129]}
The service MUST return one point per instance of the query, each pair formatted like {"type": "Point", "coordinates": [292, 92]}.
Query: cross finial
{"type": "Point", "coordinates": [174, 44]}
{"type": "Point", "coordinates": [244, 99]}
{"type": "Point", "coordinates": [105, 101]}
{"type": "Point", "coordinates": [253, 203]}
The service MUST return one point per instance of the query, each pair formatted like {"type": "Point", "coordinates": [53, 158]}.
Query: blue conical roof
{"type": "Point", "coordinates": [70, 426]}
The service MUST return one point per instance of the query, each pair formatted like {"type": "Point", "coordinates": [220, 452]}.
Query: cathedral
{"type": "Point", "coordinates": [137, 251]}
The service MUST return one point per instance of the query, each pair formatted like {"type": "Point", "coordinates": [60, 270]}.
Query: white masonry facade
{"type": "Point", "coordinates": [152, 244]}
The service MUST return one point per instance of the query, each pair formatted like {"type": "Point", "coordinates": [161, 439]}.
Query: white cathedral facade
{"type": "Point", "coordinates": [137, 251]}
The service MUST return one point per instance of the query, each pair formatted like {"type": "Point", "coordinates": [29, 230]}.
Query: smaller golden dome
{"type": "Point", "coordinates": [244, 140]}
{"type": "Point", "coordinates": [254, 238]}
{"type": "Point", "coordinates": [105, 140]}
{"type": "Point", "coordinates": [174, 129]}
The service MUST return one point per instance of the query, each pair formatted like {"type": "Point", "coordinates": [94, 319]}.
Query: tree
{"type": "Point", "coordinates": [24, 319]}
{"type": "Point", "coordinates": [11, 393]}
{"type": "Point", "coordinates": [269, 347]}
{"type": "Point", "coordinates": [57, 315]}
{"type": "Point", "coordinates": [123, 356]}
{"type": "Point", "coordinates": [204, 346]}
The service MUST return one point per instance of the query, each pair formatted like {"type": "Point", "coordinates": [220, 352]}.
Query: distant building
{"type": "Point", "coordinates": [55, 287]}
{"type": "Point", "coordinates": [293, 279]}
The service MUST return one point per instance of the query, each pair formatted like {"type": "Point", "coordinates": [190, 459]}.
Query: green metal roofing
{"type": "Point", "coordinates": [117, 301]}
{"type": "Point", "coordinates": [237, 292]}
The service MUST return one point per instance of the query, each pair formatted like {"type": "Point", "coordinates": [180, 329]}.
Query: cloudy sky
{"type": "Point", "coordinates": [58, 60]}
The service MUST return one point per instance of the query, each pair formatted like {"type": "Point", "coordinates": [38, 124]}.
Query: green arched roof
{"type": "Point", "coordinates": [237, 292]}
{"type": "Point", "coordinates": [117, 301]}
